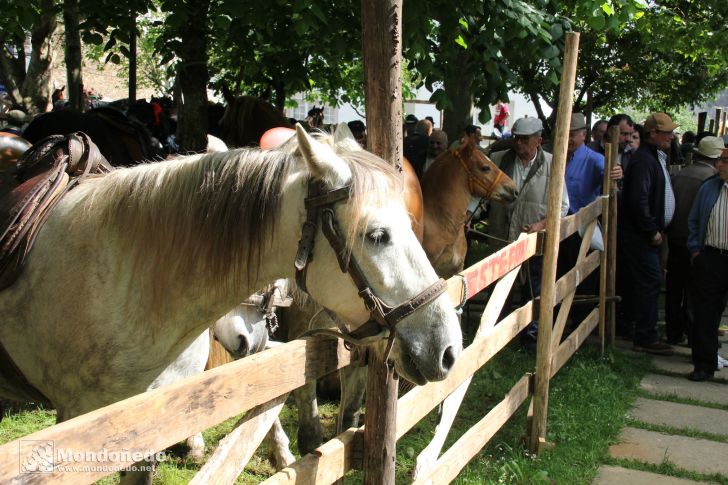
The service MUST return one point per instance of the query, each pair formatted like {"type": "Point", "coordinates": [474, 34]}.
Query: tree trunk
{"type": "Point", "coordinates": [458, 85]}
{"type": "Point", "coordinates": [74, 79]}
{"type": "Point", "coordinates": [132, 58]}
{"type": "Point", "coordinates": [192, 76]}
{"type": "Point", "coordinates": [36, 86]}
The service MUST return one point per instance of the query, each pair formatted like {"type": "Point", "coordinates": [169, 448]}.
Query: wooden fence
{"type": "Point", "coordinates": [162, 417]}
{"type": "Point", "coordinates": [259, 384]}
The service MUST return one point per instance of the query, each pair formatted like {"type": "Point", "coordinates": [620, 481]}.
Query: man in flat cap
{"type": "Point", "coordinates": [648, 206]}
{"type": "Point", "coordinates": [530, 168]}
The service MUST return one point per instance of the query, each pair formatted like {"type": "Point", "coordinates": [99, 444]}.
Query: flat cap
{"type": "Point", "coordinates": [527, 126]}
{"type": "Point", "coordinates": [659, 122]}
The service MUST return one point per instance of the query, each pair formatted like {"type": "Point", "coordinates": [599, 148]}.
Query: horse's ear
{"type": "Point", "coordinates": [321, 160]}
{"type": "Point", "coordinates": [344, 138]}
{"type": "Point", "coordinates": [465, 147]}
{"type": "Point", "coordinates": [227, 94]}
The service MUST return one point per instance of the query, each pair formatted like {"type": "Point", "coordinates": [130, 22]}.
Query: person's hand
{"type": "Point", "coordinates": [656, 239]}
{"type": "Point", "coordinates": [616, 173]}
{"type": "Point", "coordinates": [535, 227]}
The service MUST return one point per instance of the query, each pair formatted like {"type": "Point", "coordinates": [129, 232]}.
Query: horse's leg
{"type": "Point", "coordinates": [279, 445]}
{"type": "Point", "coordinates": [310, 433]}
{"type": "Point", "coordinates": [353, 385]}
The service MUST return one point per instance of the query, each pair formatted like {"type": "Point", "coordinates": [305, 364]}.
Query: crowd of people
{"type": "Point", "coordinates": [672, 227]}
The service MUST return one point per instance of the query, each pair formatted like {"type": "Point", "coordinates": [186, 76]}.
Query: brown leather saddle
{"type": "Point", "coordinates": [42, 175]}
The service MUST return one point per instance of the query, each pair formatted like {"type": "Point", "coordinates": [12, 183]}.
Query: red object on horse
{"type": "Point", "coordinates": [275, 137]}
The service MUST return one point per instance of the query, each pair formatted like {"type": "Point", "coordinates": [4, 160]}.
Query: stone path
{"type": "Point", "coordinates": [682, 424]}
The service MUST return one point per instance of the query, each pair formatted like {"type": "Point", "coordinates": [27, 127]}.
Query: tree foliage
{"type": "Point", "coordinates": [647, 55]}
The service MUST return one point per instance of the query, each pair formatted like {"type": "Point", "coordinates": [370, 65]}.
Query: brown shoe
{"type": "Point", "coordinates": [654, 348]}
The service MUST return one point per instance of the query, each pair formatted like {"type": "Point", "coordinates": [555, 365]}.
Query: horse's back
{"type": "Point", "coordinates": [96, 124]}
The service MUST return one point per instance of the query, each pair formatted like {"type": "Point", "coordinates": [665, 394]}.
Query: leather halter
{"type": "Point", "coordinates": [475, 182]}
{"type": "Point", "coordinates": [266, 303]}
{"type": "Point", "coordinates": [320, 202]}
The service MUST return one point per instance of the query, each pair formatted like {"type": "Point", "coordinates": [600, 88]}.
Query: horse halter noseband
{"type": "Point", "coordinates": [320, 201]}
{"type": "Point", "coordinates": [475, 182]}
{"type": "Point", "coordinates": [267, 302]}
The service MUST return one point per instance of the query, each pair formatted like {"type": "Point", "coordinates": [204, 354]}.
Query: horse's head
{"type": "Point", "coordinates": [243, 331]}
{"type": "Point", "coordinates": [485, 178]}
{"type": "Point", "coordinates": [364, 245]}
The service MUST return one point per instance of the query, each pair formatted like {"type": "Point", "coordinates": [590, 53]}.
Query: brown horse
{"type": "Point", "coordinates": [246, 118]}
{"type": "Point", "coordinates": [447, 187]}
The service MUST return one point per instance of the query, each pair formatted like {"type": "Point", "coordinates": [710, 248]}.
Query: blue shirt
{"type": "Point", "coordinates": [584, 176]}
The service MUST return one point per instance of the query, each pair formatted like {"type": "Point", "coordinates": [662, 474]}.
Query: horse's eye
{"type": "Point", "coordinates": [485, 169]}
{"type": "Point", "coordinates": [378, 236]}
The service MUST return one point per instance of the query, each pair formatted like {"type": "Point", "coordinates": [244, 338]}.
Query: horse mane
{"type": "Point", "coordinates": [207, 217]}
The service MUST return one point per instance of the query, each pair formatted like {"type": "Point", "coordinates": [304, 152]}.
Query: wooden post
{"type": "Point", "coordinates": [722, 124]}
{"type": "Point", "coordinates": [610, 239]}
{"type": "Point", "coordinates": [718, 113]}
{"type": "Point", "coordinates": [382, 55]}
{"type": "Point", "coordinates": [606, 183]}
{"type": "Point", "coordinates": [553, 224]}
{"type": "Point", "coordinates": [701, 121]}
{"type": "Point", "coordinates": [711, 125]}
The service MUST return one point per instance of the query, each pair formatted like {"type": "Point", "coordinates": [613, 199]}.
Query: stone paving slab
{"type": "Point", "coordinates": [712, 392]}
{"type": "Point", "coordinates": [692, 454]}
{"type": "Point", "coordinates": [681, 416]}
{"type": "Point", "coordinates": [680, 365]}
{"type": "Point", "coordinates": [615, 475]}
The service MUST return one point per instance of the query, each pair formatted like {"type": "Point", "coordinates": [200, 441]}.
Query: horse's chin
{"type": "Point", "coordinates": [407, 369]}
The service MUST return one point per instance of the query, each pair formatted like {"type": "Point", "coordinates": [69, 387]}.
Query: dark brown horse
{"type": "Point", "coordinates": [121, 140]}
{"type": "Point", "coordinates": [246, 118]}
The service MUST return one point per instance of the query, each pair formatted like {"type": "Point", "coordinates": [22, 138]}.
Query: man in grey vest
{"type": "Point", "coordinates": [530, 168]}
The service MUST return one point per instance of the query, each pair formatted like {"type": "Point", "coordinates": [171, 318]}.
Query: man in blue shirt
{"type": "Point", "coordinates": [584, 175]}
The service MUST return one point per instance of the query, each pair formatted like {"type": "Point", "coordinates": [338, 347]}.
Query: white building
{"type": "Point", "coordinates": [421, 107]}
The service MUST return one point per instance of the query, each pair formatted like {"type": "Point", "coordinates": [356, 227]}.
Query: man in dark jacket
{"type": "Point", "coordinates": [648, 205]}
{"type": "Point", "coordinates": [685, 184]}
{"type": "Point", "coordinates": [708, 246]}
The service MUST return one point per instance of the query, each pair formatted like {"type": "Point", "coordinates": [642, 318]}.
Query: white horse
{"type": "Point", "coordinates": [131, 266]}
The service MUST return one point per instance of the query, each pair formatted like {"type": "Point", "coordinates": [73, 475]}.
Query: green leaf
{"type": "Point", "coordinates": [461, 42]}
{"type": "Point", "coordinates": [607, 9]}
{"type": "Point", "coordinates": [463, 23]}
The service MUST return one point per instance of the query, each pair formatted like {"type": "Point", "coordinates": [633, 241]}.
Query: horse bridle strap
{"type": "Point", "coordinates": [321, 202]}
{"type": "Point", "coordinates": [474, 181]}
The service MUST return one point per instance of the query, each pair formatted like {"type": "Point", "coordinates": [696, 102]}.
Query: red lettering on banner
{"type": "Point", "coordinates": [482, 274]}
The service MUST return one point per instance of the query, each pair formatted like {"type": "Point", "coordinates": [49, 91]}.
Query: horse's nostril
{"type": "Point", "coordinates": [448, 359]}
{"type": "Point", "coordinates": [244, 345]}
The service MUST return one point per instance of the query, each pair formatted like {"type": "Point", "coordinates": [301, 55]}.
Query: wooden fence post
{"type": "Point", "coordinates": [553, 224]}
{"type": "Point", "coordinates": [604, 329]}
{"type": "Point", "coordinates": [382, 56]}
{"type": "Point", "coordinates": [701, 121]}
{"type": "Point", "coordinates": [718, 113]}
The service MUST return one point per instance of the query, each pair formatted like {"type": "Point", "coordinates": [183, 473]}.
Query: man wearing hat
{"type": "Point", "coordinates": [708, 246]}
{"type": "Point", "coordinates": [530, 168]}
{"type": "Point", "coordinates": [583, 179]}
{"type": "Point", "coordinates": [648, 205]}
{"type": "Point", "coordinates": [409, 124]}
{"type": "Point", "coordinates": [685, 185]}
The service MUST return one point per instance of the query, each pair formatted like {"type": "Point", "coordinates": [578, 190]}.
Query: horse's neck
{"type": "Point", "coordinates": [446, 194]}
{"type": "Point", "coordinates": [178, 296]}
